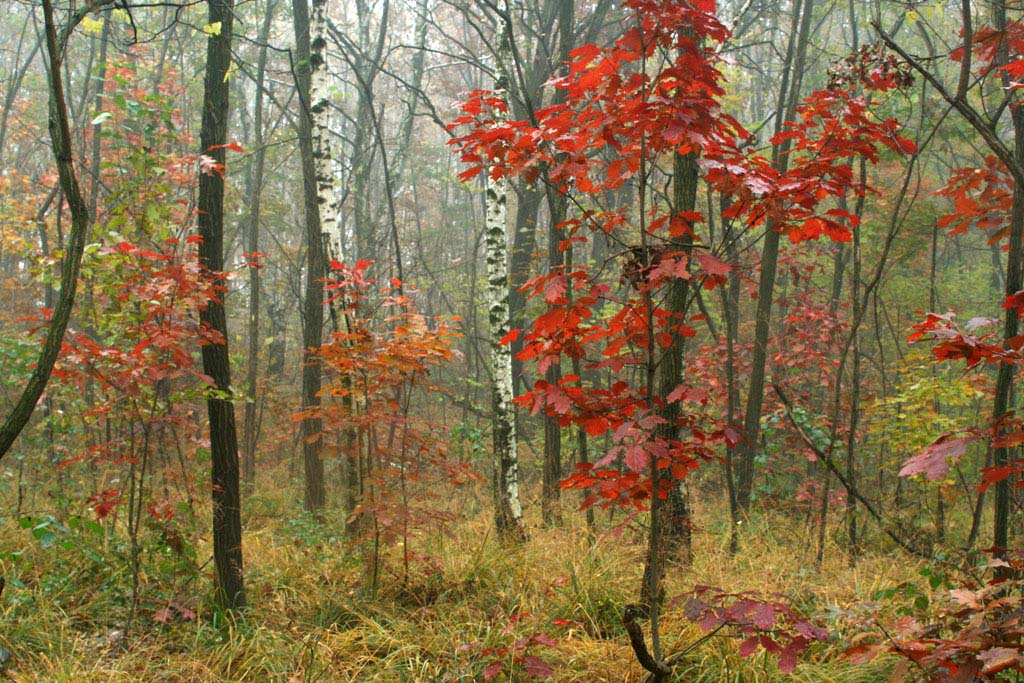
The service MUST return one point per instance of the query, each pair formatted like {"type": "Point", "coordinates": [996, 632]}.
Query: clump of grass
{"type": "Point", "coordinates": [464, 603]}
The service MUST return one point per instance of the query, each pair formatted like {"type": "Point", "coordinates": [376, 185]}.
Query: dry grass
{"type": "Point", "coordinates": [311, 621]}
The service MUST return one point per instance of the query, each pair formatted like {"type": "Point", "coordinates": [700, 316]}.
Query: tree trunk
{"type": "Point", "coordinates": [1001, 404]}
{"type": "Point", "coordinates": [60, 143]}
{"type": "Point", "coordinates": [227, 524]}
{"type": "Point", "coordinates": [253, 246]}
{"type": "Point", "coordinates": [508, 514]}
{"type": "Point", "coordinates": [788, 98]}
{"type": "Point", "coordinates": [558, 206]}
{"type": "Point", "coordinates": [311, 427]}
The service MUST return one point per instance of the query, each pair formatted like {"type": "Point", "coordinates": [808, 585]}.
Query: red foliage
{"type": "Point", "coordinates": [769, 623]}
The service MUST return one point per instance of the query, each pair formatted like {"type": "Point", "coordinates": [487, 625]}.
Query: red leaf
{"type": "Point", "coordinates": [595, 426]}
{"type": "Point", "coordinates": [492, 671]}
{"type": "Point", "coordinates": [162, 616]}
{"type": "Point", "coordinates": [998, 659]}
{"type": "Point", "coordinates": [993, 475]}
{"type": "Point", "coordinates": [934, 461]}
{"type": "Point", "coordinates": [636, 458]}
{"type": "Point", "coordinates": [787, 658]}
{"type": "Point", "coordinates": [763, 616]}
{"type": "Point", "coordinates": [233, 146]}
{"type": "Point", "coordinates": [748, 647]}
{"type": "Point", "coordinates": [536, 667]}
{"type": "Point", "coordinates": [511, 337]}
{"type": "Point", "coordinates": [965, 597]}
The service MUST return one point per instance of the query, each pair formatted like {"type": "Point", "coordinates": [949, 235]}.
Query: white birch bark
{"type": "Point", "coordinates": [320, 114]}
{"type": "Point", "coordinates": [508, 512]}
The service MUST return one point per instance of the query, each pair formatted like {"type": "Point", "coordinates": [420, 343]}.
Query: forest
{"type": "Point", "coordinates": [511, 340]}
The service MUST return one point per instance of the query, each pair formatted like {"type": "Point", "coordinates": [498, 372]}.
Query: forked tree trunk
{"type": "Point", "coordinates": [788, 99]}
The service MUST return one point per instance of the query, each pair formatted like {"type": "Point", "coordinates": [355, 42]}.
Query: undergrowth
{"type": "Point", "coordinates": [458, 614]}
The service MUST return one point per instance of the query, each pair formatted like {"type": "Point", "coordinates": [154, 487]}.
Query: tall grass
{"type": "Point", "coordinates": [466, 599]}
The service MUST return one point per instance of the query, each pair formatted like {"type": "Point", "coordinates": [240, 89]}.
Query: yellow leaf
{"type": "Point", "coordinates": [92, 27]}
{"type": "Point", "coordinates": [212, 29]}
{"type": "Point", "coordinates": [230, 72]}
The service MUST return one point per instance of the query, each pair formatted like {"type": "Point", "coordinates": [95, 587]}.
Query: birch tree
{"type": "Point", "coordinates": [322, 225]}
{"type": "Point", "coordinates": [508, 511]}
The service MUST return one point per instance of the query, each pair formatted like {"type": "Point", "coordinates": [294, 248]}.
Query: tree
{"type": "Point", "coordinates": [227, 522]}
{"type": "Point", "coordinates": [991, 47]}
{"type": "Point", "coordinates": [317, 195]}
{"type": "Point", "coordinates": [508, 511]}
{"type": "Point", "coordinates": [256, 180]}
{"type": "Point", "coordinates": [61, 144]}
{"type": "Point", "coordinates": [627, 108]}
{"type": "Point", "coordinates": [789, 97]}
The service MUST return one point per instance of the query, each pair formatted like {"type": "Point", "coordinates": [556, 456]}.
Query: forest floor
{"type": "Point", "coordinates": [455, 616]}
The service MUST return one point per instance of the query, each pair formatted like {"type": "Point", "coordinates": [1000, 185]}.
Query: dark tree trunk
{"type": "Point", "coordinates": [227, 523]}
{"type": "Point", "coordinates": [253, 246]}
{"type": "Point", "coordinates": [788, 98]}
{"type": "Point", "coordinates": [60, 143]}
{"type": "Point", "coordinates": [311, 427]}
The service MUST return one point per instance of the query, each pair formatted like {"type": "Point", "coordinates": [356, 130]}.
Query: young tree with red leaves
{"type": "Point", "coordinates": [651, 98]}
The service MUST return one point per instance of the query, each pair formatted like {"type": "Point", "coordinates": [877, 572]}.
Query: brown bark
{"type": "Point", "coordinates": [60, 143]}
{"type": "Point", "coordinates": [227, 524]}
{"type": "Point", "coordinates": [311, 426]}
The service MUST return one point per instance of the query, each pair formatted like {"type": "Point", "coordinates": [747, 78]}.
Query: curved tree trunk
{"type": "Point", "coordinates": [60, 143]}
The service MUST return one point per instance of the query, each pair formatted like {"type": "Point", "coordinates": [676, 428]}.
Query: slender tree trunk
{"type": "Point", "coordinates": [60, 143]}
{"type": "Point", "coordinates": [227, 524]}
{"type": "Point", "coordinates": [311, 426]}
{"type": "Point", "coordinates": [521, 260]}
{"type": "Point", "coordinates": [101, 85]}
{"type": "Point", "coordinates": [1001, 404]}
{"type": "Point", "coordinates": [788, 97]}
{"type": "Point", "coordinates": [253, 245]}
{"type": "Point", "coordinates": [366, 61]}
{"type": "Point", "coordinates": [731, 313]}
{"type": "Point", "coordinates": [401, 155]}
{"type": "Point", "coordinates": [14, 81]}
{"type": "Point", "coordinates": [558, 207]}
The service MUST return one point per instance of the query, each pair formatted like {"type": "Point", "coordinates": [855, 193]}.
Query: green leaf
{"type": "Point", "coordinates": [46, 538]}
{"type": "Point", "coordinates": [153, 214]}
{"type": "Point", "coordinates": [101, 117]}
